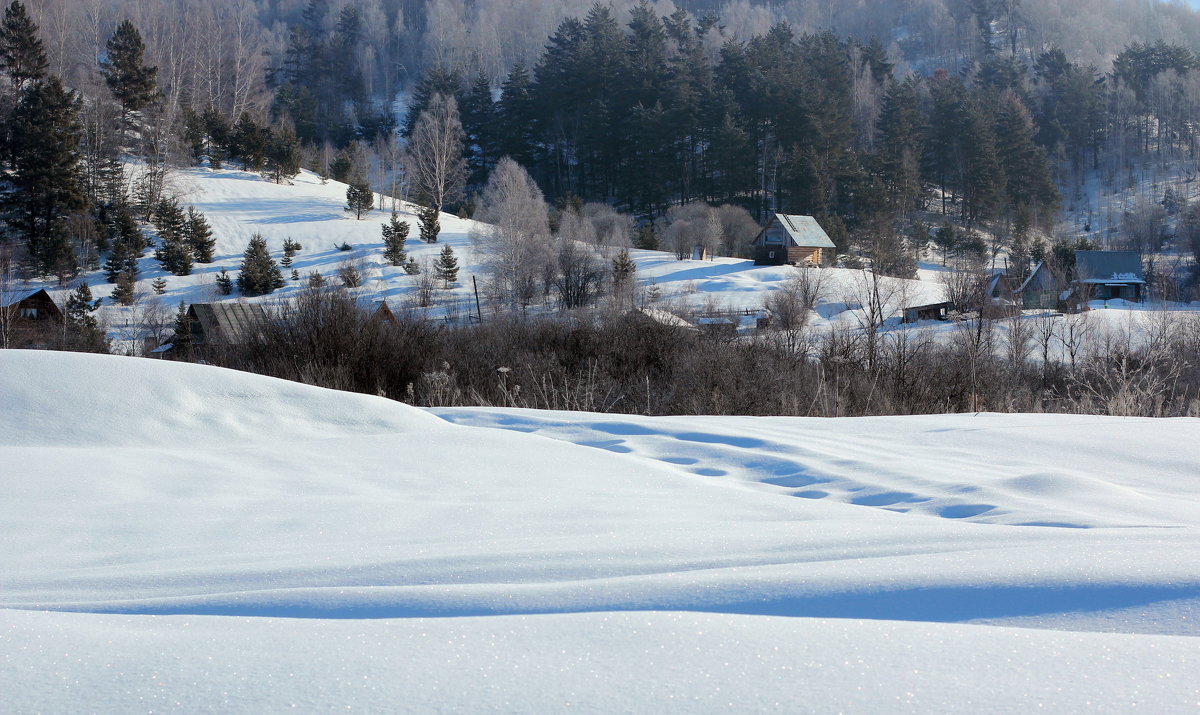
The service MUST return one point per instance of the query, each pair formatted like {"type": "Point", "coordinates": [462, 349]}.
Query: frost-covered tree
{"type": "Point", "coordinates": [516, 246]}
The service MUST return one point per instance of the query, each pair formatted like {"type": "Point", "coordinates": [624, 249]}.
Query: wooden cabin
{"type": "Point", "coordinates": [798, 240]}
{"type": "Point", "coordinates": [1110, 275]}
{"type": "Point", "coordinates": [1042, 289]}
{"type": "Point", "coordinates": [31, 320]}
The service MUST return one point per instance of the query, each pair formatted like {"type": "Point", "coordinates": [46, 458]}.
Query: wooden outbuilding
{"type": "Point", "coordinates": [222, 325]}
{"type": "Point", "coordinates": [932, 311]}
{"type": "Point", "coordinates": [787, 238]}
{"type": "Point", "coordinates": [1042, 289]}
{"type": "Point", "coordinates": [30, 320]}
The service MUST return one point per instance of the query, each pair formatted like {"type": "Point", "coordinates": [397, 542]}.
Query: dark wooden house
{"type": "Point", "coordinates": [797, 240]}
{"type": "Point", "coordinates": [1109, 275]}
{"type": "Point", "coordinates": [30, 320]}
{"type": "Point", "coordinates": [1042, 289]}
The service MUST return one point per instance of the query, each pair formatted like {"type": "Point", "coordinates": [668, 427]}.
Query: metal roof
{"type": "Point", "coordinates": [804, 231]}
{"type": "Point", "coordinates": [229, 323]}
{"type": "Point", "coordinates": [1108, 267]}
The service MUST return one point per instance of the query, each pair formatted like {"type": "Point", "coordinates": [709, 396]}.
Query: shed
{"type": "Point", "coordinates": [1109, 275]}
{"type": "Point", "coordinates": [30, 320]}
{"type": "Point", "coordinates": [791, 239]}
{"type": "Point", "coordinates": [225, 324]}
{"type": "Point", "coordinates": [932, 311]}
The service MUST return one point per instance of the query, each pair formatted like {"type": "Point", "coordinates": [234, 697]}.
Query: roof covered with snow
{"type": "Point", "coordinates": [804, 230]}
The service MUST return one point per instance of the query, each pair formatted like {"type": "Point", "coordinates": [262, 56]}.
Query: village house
{"type": "Point", "coordinates": [1109, 275]}
{"type": "Point", "coordinates": [798, 240]}
{"type": "Point", "coordinates": [30, 320]}
{"type": "Point", "coordinates": [223, 325]}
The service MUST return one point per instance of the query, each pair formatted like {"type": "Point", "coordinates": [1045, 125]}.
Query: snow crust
{"type": "Point", "coordinates": [186, 538]}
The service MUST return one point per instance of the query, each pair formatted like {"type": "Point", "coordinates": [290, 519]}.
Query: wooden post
{"type": "Point", "coordinates": [478, 310]}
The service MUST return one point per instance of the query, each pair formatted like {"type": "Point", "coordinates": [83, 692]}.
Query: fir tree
{"type": "Point", "coordinates": [947, 240]}
{"type": "Point", "coordinates": [120, 261]}
{"type": "Point", "coordinates": [623, 270]}
{"type": "Point", "coordinates": [132, 83]}
{"type": "Point", "coordinates": [295, 274]}
{"type": "Point", "coordinates": [224, 282]}
{"type": "Point", "coordinates": [249, 141]}
{"type": "Point", "coordinates": [259, 274]}
{"type": "Point", "coordinates": [359, 198]}
{"type": "Point", "coordinates": [159, 285]}
{"type": "Point", "coordinates": [411, 267]}
{"type": "Point", "coordinates": [199, 236]}
{"type": "Point", "coordinates": [395, 233]}
{"type": "Point", "coordinates": [175, 255]}
{"type": "Point", "coordinates": [446, 267]}
{"type": "Point", "coordinates": [428, 221]}
{"type": "Point", "coordinates": [22, 56]}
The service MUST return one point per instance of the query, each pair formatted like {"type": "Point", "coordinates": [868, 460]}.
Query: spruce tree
{"type": "Point", "coordinates": [428, 221]}
{"type": "Point", "coordinates": [175, 255]}
{"type": "Point", "coordinates": [159, 285]}
{"type": "Point", "coordinates": [123, 291]}
{"type": "Point", "coordinates": [199, 236]}
{"type": "Point", "coordinates": [411, 267]}
{"type": "Point", "coordinates": [623, 270]}
{"type": "Point", "coordinates": [395, 233]}
{"type": "Point", "coordinates": [22, 56]}
{"type": "Point", "coordinates": [181, 340]}
{"type": "Point", "coordinates": [83, 331]}
{"type": "Point", "coordinates": [224, 282]}
{"type": "Point", "coordinates": [120, 261]}
{"type": "Point", "coordinates": [446, 267]}
{"type": "Point", "coordinates": [249, 142]}
{"type": "Point", "coordinates": [282, 155]}
{"type": "Point", "coordinates": [359, 198]}
{"type": "Point", "coordinates": [259, 275]}
{"type": "Point", "coordinates": [132, 83]}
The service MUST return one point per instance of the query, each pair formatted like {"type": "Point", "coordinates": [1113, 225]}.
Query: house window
{"type": "Point", "coordinates": [29, 313]}
{"type": "Point", "coordinates": [770, 254]}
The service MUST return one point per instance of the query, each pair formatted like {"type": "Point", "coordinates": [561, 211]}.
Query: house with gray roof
{"type": "Point", "coordinates": [793, 239]}
{"type": "Point", "coordinates": [222, 325]}
{"type": "Point", "coordinates": [1110, 275]}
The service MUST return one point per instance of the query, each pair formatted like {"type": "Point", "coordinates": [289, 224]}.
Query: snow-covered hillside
{"type": "Point", "coordinates": [181, 537]}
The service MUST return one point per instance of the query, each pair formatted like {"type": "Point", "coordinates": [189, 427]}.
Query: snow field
{"type": "Point", "coordinates": [187, 538]}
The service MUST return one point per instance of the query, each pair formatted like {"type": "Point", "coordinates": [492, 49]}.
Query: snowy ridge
{"type": "Point", "coordinates": [253, 543]}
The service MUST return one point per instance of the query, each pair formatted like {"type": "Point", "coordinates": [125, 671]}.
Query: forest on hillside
{"type": "Point", "coordinates": [955, 129]}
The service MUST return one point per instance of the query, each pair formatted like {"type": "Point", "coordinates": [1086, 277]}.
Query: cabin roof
{"type": "Point", "coordinates": [1108, 267]}
{"type": "Point", "coordinates": [228, 323]}
{"type": "Point", "coordinates": [803, 230]}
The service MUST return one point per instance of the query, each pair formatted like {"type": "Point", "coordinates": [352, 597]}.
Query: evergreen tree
{"type": "Point", "coordinates": [259, 274]}
{"type": "Point", "coordinates": [45, 176]}
{"type": "Point", "coordinates": [132, 83]}
{"type": "Point", "coordinates": [181, 339]}
{"type": "Point", "coordinates": [446, 267]}
{"type": "Point", "coordinates": [1024, 162]}
{"type": "Point", "coordinates": [217, 129]}
{"type": "Point", "coordinates": [316, 280]}
{"type": "Point", "coordinates": [175, 255]}
{"type": "Point", "coordinates": [428, 221]}
{"type": "Point", "coordinates": [121, 261]}
{"type": "Point", "coordinates": [249, 141]}
{"type": "Point", "coordinates": [22, 56]}
{"type": "Point", "coordinates": [395, 233]}
{"type": "Point", "coordinates": [123, 291]}
{"type": "Point", "coordinates": [479, 125]}
{"type": "Point", "coordinates": [282, 155]}
{"type": "Point", "coordinates": [359, 198]}
{"type": "Point", "coordinates": [83, 331]}
{"type": "Point", "coordinates": [946, 239]}
{"type": "Point", "coordinates": [159, 285]}
{"type": "Point", "coordinates": [224, 282]}
{"type": "Point", "coordinates": [412, 268]}
{"type": "Point", "coordinates": [198, 235]}
{"type": "Point", "coordinates": [515, 132]}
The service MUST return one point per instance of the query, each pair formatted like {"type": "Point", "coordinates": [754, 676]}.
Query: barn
{"type": "Point", "coordinates": [793, 239]}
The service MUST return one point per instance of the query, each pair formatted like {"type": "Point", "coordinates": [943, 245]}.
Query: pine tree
{"type": "Point", "coordinates": [159, 285]}
{"type": "Point", "coordinates": [428, 220]}
{"type": "Point", "coordinates": [45, 177]}
{"type": "Point", "coordinates": [316, 280]}
{"type": "Point", "coordinates": [359, 198]}
{"type": "Point", "coordinates": [22, 56]}
{"type": "Point", "coordinates": [946, 239]}
{"type": "Point", "coordinates": [395, 233]}
{"type": "Point", "coordinates": [224, 282]}
{"type": "Point", "coordinates": [446, 267]}
{"type": "Point", "coordinates": [623, 270]}
{"type": "Point", "coordinates": [132, 83]}
{"type": "Point", "coordinates": [295, 274]}
{"type": "Point", "coordinates": [282, 155]}
{"type": "Point", "coordinates": [411, 267]}
{"type": "Point", "coordinates": [259, 275]}
{"type": "Point", "coordinates": [199, 236]}
{"type": "Point", "coordinates": [175, 255]}
{"type": "Point", "coordinates": [121, 261]}
{"type": "Point", "coordinates": [248, 141]}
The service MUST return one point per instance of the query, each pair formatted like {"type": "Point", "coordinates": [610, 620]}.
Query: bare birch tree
{"type": "Point", "coordinates": [517, 246]}
{"type": "Point", "coordinates": [435, 153]}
